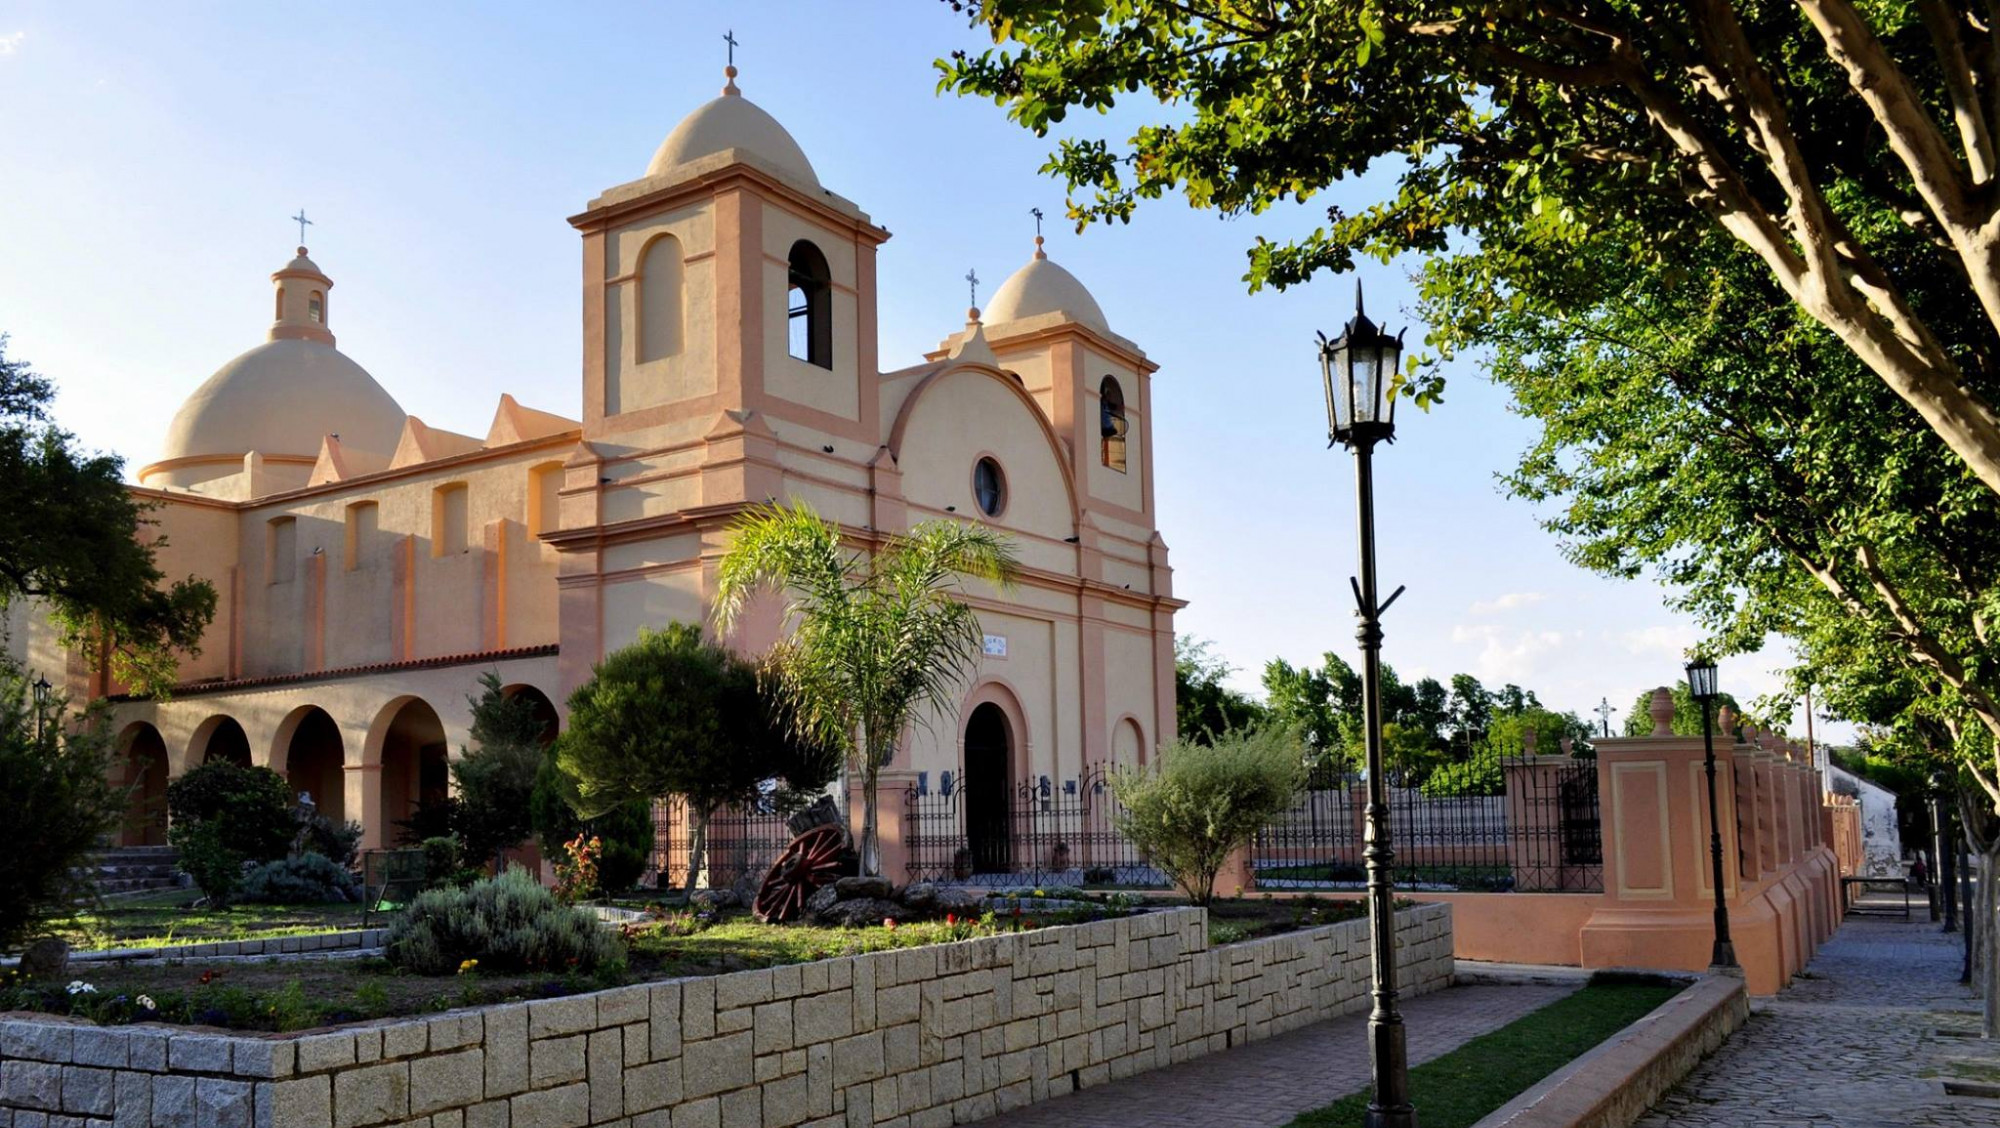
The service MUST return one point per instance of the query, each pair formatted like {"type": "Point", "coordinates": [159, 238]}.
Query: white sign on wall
{"type": "Point", "coordinates": [996, 646]}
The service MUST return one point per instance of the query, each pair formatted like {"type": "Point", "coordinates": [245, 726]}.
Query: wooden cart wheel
{"type": "Point", "coordinates": [810, 863]}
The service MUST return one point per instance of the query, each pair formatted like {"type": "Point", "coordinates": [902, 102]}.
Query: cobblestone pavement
{"type": "Point", "coordinates": [1265, 1084]}
{"type": "Point", "coordinates": [1853, 1043]}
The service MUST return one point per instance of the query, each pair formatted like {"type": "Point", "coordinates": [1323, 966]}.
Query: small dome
{"type": "Point", "coordinates": [282, 397]}
{"type": "Point", "coordinates": [733, 122]}
{"type": "Point", "coordinates": [1043, 287]}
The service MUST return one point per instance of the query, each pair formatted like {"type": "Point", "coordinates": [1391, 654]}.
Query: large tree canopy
{"type": "Point", "coordinates": [72, 537]}
{"type": "Point", "coordinates": [1847, 148]}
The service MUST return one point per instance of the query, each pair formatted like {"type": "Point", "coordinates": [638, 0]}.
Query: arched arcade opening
{"type": "Point", "coordinates": [988, 784]}
{"type": "Point", "coordinates": [416, 768]}
{"type": "Point", "coordinates": [219, 738]}
{"type": "Point", "coordinates": [314, 760]}
{"type": "Point", "coordinates": [142, 769]}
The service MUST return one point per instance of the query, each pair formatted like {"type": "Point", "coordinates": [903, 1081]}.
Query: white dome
{"type": "Point", "coordinates": [1043, 287]}
{"type": "Point", "coordinates": [733, 122]}
{"type": "Point", "coordinates": [282, 397]}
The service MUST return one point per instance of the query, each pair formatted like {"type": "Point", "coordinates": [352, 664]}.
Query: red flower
{"type": "Point", "coordinates": [1029, 923]}
{"type": "Point", "coordinates": [951, 919]}
{"type": "Point", "coordinates": [889, 923]}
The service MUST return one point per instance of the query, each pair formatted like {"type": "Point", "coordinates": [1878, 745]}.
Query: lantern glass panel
{"type": "Point", "coordinates": [1366, 383]}
{"type": "Point", "coordinates": [1701, 680]}
{"type": "Point", "coordinates": [1333, 372]}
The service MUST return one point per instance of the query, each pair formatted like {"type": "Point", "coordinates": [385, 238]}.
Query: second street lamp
{"type": "Point", "coordinates": [1357, 370]}
{"type": "Point", "coordinates": [1701, 686]}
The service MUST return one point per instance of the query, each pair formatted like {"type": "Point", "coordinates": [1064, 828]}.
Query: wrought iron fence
{"type": "Point", "coordinates": [1037, 832]}
{"type": "Point", "coordinates": [742, 842]}
{"type": "Point", "coordinates": [1541, 833]}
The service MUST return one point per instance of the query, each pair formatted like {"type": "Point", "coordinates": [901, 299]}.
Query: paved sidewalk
{"type": "Point", "coordinates": [1265, 1084]}
{"type": "Point", "coordinates": [1854, 1043]}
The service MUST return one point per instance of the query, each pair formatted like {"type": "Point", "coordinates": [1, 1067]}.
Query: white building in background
{"type": "Point", "coordinates": [1881, 841]}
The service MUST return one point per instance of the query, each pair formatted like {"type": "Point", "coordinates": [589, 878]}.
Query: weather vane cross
{"type": "Point", "coordinates": [729, 37]}
{"type": "Point", "coordinates": [303, 222]}
{"type": "Point", "coordinates": [1037, 213]}
{"type": "Point", "coordinates": [972, 281]}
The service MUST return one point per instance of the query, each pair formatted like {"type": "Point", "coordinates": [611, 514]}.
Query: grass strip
{"type": "Point", "coordinates": [1456, 1089]}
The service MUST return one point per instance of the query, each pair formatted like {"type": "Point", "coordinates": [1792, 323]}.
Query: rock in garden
{"type": "Point", "coordinates": [46, 958]}
{"type": "Point", "coordinates": [822, 899]}
{"type": "Point", "coordinates": [954, 899]}
{"type": "Point", "coordinates": [919, 895]}
{"type": "Point", "coordinates": [712, 898]}
{"type": "Point", "coordinates": [863, 911]}
{"type": "Point", "coordinates": [872, 888]}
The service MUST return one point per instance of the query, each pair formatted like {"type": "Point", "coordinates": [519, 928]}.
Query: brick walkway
{"type": "Point", "coordinates": [1854, 1045]}
{"type": "Point", "coordinates": [1265, 1084]}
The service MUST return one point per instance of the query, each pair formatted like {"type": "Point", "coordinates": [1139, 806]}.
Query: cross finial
{"type": "Point", "coordinates": [303, 223]}
{"type": "Point", "coordinates": [729, 37]}
{"type": "Point", "coordinates": [972, 281]}
{"type": "Point", "coordinates": [1604, 712]}
{"type": "Point", "coordinates": [1037, 213]}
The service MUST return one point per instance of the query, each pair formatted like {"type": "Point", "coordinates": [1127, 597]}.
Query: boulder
{"type": "Point", "coordinates": [46, 958]}
{"type": "Point", "coordinates": [712, 898]}
{"type": "Point", "coordinates": [864, 888]}
{"type": "Point", "coordinates": [863, 911]}
{"type": "Point", "coordinates": [822, 899]}
{"type": "Point", "coordinates": [918, 895]}
{"type": "Point", "coordinates": [956, 899]}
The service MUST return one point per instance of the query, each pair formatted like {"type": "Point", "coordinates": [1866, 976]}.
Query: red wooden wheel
{"type": "Point", "coordinates": [810, 863]}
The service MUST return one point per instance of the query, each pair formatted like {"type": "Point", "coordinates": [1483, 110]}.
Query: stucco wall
{"type": "Point", "coordinates": [937, 1035]}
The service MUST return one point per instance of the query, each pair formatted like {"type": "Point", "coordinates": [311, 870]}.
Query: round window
{"type": "Point", "coordinates": [989, 487]}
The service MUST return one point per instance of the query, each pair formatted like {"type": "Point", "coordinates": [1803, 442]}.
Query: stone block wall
{"type": "Point", "coordinates": [913, 1038]}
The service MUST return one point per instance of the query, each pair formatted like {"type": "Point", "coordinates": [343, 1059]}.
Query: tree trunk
{"type": "Point", "coordinates": [1985, 950]}
{"type": "Point", "coordinates": [871, 856]}
{"type": "Point", "coordinates": [697, 847]}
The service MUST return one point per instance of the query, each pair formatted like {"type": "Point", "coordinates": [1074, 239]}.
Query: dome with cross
{"type": "Point", "coordinates": [728, 122]}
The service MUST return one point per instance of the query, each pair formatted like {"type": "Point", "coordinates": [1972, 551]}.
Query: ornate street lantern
{"type": "Point", "coordinates": [1701, 685]}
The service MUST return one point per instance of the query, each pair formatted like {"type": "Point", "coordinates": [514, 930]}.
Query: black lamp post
{"type": "Point", "coordinates": [41, 688]}
{"type": "Point", "coordinates": [1357, 369]}
{"type": "Point", "coordinates": [1701, 684]}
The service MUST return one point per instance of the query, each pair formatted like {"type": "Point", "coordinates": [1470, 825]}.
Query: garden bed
{"type": "Point", "coordinates": [169, 918]}
{"type": "Point", "coordinates": [290, 994]}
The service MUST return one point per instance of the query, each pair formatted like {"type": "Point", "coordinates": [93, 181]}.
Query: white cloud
{"type": "Point", "coordinates": [1505, 656]}
{"type": "Point", "coordinates": [11, 43]}
{"type": "Point", "coordinates": [1667, 641]}
{"type": "Point", "coordinates": [1512, 601]}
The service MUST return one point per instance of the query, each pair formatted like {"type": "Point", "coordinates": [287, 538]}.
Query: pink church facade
{"type": "Point", "coordinates": [371, 568]}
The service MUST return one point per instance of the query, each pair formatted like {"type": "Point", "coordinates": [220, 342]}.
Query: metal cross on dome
{"type": "Point", "coordinates": [1037, 213]}
{"type": "Point", "coordinates": [1604, 711]}
{"type": "Point", "coordinates": [972, 279]}
{"type": "Point", "coordinates": [729, 37]}
{"type": "Point", "coordinates": [303, 223]}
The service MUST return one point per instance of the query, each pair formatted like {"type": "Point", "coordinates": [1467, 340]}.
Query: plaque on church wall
{"type": "Point", "coordinates": [996, 646]}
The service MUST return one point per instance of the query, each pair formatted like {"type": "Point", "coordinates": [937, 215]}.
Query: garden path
{"type": "Point", "coordinates": [1265, 1084]}
{"type": "Point", "coordinates": [1854, 1042]}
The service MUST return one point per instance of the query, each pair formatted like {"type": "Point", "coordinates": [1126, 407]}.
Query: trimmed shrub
{"type": "Point", "coordinates": [1202, 801]}
{"type": "Point", "coordinates": [507, 923]}
{"type": "Point", "coordinates": [251, 806]}
{"type": "Point", "coordinates": [309, 879]}
{"type": "Point", "coordinates": [206, 857]}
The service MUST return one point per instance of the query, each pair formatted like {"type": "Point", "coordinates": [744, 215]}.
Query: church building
{"type": "Point", "coordinates": [370, 567]}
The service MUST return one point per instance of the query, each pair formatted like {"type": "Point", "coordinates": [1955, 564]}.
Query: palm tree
{"type": "Point", "coordinates": [876, 641]}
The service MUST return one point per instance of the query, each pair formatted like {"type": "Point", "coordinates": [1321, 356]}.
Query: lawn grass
{"type": "Point", "coordinates": [169, 917]}
{"type": "Point", "coordinates": [1455, 1090]}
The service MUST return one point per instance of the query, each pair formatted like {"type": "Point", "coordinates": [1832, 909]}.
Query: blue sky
{"type": "Point", "coordinates": [155, 151]}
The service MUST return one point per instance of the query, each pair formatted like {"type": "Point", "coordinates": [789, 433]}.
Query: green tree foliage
{"type": "Point", "coordinates": [1203, 704]}
{"type": "Point", "coordinates": [673, 714]}
{"type": "Point", "coordinates": [877, 638]}
{"type": "Point", "coordinates": [1849, 155]}
{"type": "Point", "coordinates": [252, 807]}
{"type": "Point", "coordinates": [496, 776]}
{"type": "Point", "coordinates": [72, 537]}
{"type": "Point", "coordinates": [1321, 705]}
{"type": "Point", "coordinates": [1199, 801]}
{"type": "Point", "coordinates": [55, 803]}
{"type": "Point", "coordinates": [1687, 712]}
{"type": "Point", "coordinates": [627, 829]}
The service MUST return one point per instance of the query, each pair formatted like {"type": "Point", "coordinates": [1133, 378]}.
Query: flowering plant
{"type": "Point", "coordinates": [79, 987]}
{"type": "Point", "coordinates": [576, 874]}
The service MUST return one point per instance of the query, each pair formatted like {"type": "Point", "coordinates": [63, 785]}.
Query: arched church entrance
{"type": "Point", "coordinates": [416, 771]}
{"type": "Point", "coordinates": [143, 757]}
{"type": "Point", "coordinates": [225, 740]}
{"type": "Point", "coordinates": [989, 754]}
{"type": "Point", "coordinates": [316, 762]}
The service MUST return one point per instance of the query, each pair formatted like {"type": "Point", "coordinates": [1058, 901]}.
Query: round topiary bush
{"type": "Point", "coordinates": [251, 807]}
{"type": "Point", "coordinates": [507, 923]}
{"type": "Point", "coordinates": [309, 879]}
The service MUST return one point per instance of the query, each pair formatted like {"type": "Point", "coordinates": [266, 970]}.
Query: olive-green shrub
{"type": "Point", "coordinates": [1199, 802]}
{"type": "Point", "coordinates": [507, 923]}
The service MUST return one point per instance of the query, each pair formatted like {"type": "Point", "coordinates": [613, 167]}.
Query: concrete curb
{"type": "Point", "coordinates": [1614, 1084]}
